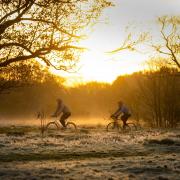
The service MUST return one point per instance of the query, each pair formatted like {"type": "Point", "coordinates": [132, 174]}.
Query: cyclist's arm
{"type": "Point", "coordinates": [58, 110]}
{"type": "Point", "coordinates": [117, 113]}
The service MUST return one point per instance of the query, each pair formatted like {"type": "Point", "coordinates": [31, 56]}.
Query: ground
{"type": "Point", "coordinates": [89, 153]}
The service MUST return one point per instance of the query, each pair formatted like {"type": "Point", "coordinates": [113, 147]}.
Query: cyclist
{"type": "Point", "coordinates": [61, 108]}
{"type": "Point", "coordinates": [122, 109]}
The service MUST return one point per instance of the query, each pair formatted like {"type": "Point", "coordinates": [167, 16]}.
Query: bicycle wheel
{"type": "Point", "coordinates": [112, 127]}
{"type": "Point", "coordinates": [51, 126]}
{"type": "Point", "coordinates": [70, 126]}
{"type": "Point", "coordinates": [131, 127]}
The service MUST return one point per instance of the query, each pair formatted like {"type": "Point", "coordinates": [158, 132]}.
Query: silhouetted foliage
{"type": "Point", "coordinates": [160, 91]}
{"type": "Point", "coordinates": [23, 74]}
{"type": "Point", "coordinates": [45, 29]}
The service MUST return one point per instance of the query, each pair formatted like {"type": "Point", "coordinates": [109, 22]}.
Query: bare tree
{"type": "Point", "coordinates": [159, 90]}
{"type": "Point", "coordinates": [48, 30]}
{"type": "Point", "coordinates": [130, 43]}
{"type": "Point", "coordinates": [170, 32]}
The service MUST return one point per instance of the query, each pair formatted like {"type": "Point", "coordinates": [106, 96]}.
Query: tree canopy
{"type": "Point", "coordinates": [48, 30]}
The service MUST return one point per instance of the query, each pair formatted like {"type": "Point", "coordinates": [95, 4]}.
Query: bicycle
{"type": "Point", "coordinates": [116, 125]}
{"type": "Point", "coordinates": [54, 125]}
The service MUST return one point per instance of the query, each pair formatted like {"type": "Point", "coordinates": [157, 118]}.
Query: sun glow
{"type": "Point", "coordinates": [109, 33]}
{"type": "Point", "coordinates": [98, 66]}
{"type": "Point", "coordinates": [101, 67]}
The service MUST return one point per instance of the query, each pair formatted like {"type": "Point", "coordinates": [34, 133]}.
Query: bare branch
{"type": "Point", "coordinates": [46, 29]}
{"type": "Point", "coordinates": [37, 54]}
{"type": "Point", "coordinates": [54, 25]}
{"type": "Point", "coordinates": [129, 44]}
{"type": "Point", "coordinates": [9, 23]}
{"type": "Point", "coordinates": [171, 46]}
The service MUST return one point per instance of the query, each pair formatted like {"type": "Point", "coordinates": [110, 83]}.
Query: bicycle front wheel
{"type": "Point", "coordinates": [131, 127]}
{"type": "Point", "coordinates": [113, 127]}
{"type": "Point", "coordinates": [71, 126]}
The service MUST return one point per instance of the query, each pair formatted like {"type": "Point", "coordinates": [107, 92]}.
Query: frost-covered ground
{"type": "Point", "coordinates": [89, 153]}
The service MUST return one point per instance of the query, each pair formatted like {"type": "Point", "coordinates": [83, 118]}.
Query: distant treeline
{"type": "Point", "coordinates": [152, 96]}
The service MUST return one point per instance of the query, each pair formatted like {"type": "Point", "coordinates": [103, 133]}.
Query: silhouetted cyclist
{"type": "Point", "coordinates": [123, 111]}
{"type": "Point", "coordinates": [61, 108]}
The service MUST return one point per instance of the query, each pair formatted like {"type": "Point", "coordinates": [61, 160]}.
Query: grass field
{"type": "Point", "coordinates": [89, 153]}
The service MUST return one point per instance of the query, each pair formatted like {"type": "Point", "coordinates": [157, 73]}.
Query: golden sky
{"type": "Point", "coordinates": [110, 31]}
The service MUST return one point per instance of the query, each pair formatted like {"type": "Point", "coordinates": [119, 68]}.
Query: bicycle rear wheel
{"type": "Point", "coordinates": [70, 126]}
{"type": "Point", "coordinates": [51, 126]}
{"type": "Point", "coordinates": [111, 127]}
{"type": "Point", "coordinates": [131, 127]}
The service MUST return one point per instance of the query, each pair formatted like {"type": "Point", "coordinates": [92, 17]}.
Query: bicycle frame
{"type": "Point", "coordinates": [56, 121]}
{"type": "Point", "coordinates": [116, 120]}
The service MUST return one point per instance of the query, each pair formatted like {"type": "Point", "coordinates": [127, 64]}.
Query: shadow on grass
{"type": "Point", "coordinates": [63, 156]}
{"type": "Point", "coordinates": [160, 142]}
{"type": "Point", "coordinates": [17, 130]}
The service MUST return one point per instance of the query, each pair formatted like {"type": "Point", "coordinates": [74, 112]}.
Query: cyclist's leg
{"type": "Point", "coordinates": [63, 119]}
{"type": "Point", "coordinates": [127, 117]}
{"type": "Point", "coordinates": [124, 124]}
{"type": "Point", "coordinates": [124, 119]}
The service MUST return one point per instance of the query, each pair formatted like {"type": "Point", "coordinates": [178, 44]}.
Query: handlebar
{"type": "Point", "coordinates": [114, 118]}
